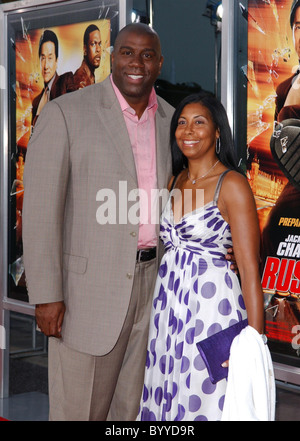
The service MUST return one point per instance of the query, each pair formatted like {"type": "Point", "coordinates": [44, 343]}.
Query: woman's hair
{"type": "Point", "coordinates": [227, 153]}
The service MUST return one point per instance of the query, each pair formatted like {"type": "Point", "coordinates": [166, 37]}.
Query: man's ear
{"type": "Point", "coordinates": [161, 62]}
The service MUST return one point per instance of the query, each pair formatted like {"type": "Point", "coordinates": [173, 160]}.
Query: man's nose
{"type": "Point", "coordinates": [137, 60]}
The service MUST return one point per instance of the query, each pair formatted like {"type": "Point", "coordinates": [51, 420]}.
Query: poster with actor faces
{"type": "Point", "coordinates": [273, 167]}
{"type": "Point", "coordinates": [49, 62]}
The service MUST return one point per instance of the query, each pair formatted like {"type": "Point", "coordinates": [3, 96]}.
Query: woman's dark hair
{"type": "Point", "coordinates": [227, 153]}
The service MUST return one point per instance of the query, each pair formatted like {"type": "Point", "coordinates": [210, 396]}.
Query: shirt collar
{"type": "Point", "coordinates": [152, 103]}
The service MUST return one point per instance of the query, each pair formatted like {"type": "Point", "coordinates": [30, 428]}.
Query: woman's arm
{"type": "Point", "coordinates": [238, 208]}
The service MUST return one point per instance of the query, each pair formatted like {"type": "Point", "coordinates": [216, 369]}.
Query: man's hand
{"type": "Point", "coordinates": [230, 256]}
{"type": "Point", "coordinates": [49, 317]}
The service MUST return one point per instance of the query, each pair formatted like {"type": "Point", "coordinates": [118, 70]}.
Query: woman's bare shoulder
{"type": "Point", "coordinates": [236, 193]}
{"type": "Point", "coordinates": [235, 182]}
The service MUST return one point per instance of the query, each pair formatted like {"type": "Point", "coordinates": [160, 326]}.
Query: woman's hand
{"type": "Point", "coordinates": [225, 364]}
{"type": "Point", "coordinates": [231, 257]}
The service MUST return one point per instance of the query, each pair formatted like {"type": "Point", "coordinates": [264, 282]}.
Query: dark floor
{"type": "Point", "coordinates": [287, 403]}
{"type": "Point", "coordinates": [28, 389]}
{"type": "Point", "coordinates": [32, 403]}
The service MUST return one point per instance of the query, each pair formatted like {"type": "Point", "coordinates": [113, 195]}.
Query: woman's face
{"type": "Point", "coordinates": [196, 132]}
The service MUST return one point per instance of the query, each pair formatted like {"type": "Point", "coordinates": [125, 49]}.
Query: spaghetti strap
{"type": "Point", "coordinates": [218, 187]}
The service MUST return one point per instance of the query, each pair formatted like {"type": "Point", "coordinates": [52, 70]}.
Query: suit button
{"type": "Point", "coordinates": [133, 234]}
{"type": "Point", "coordinates": [129, 276]}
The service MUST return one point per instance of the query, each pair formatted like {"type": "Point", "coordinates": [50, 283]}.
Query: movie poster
{"type": "Point", "coordinates": [65, 63]}
{"type": "Point", "coordinates": [274, 95]}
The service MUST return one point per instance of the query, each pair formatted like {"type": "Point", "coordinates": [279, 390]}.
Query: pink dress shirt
{"type": "Point", "coordinates": [143, 141]}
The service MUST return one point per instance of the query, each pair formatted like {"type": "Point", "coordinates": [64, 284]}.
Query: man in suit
{"type": "Point", "coordinates": [54, 84]}
{"type": "Point", "coordinates": [85, 74]}
{"type": "Point", "coordinates": [92, 283]}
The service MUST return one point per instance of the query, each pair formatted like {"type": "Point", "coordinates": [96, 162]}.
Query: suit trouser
{"type": "Point", "coordinates": [85, 387]}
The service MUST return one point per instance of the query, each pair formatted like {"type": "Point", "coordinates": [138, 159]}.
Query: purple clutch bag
{"type": "Point", "coordinates": [216, 349]}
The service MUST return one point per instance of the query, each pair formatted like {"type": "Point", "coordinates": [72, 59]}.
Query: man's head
{"type": "Point", "coordinates": [48, 55]}
{"type": "Point", "coordinates": [92, 46]}
{"type": "Point", "coordinates": [136, 62]}
{"type": "Point", "coordinates": [295, 25]}
{"type": "Point", "coordinates": [295, 5]}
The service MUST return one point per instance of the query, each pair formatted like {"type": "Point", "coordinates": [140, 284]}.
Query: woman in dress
{"type": "Point", "coordinates": [211, 208]}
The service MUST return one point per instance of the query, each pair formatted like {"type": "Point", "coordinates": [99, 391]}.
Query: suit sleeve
{"type": "Point", "coordinates": [45, 185]}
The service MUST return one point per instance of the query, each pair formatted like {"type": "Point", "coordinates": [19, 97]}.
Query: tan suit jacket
{"type": "Point", "coordinates": [80, 145]}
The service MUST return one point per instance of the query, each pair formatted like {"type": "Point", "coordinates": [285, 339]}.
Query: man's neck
{"type": "Point", "coordinates": [139, 105]}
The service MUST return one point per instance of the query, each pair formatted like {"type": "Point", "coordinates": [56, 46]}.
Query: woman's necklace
{"type": "Point", "coordinates": [193, 181]}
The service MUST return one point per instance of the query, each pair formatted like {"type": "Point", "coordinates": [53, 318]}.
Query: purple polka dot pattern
{"type": "Point", "coordinates": [196, 295]}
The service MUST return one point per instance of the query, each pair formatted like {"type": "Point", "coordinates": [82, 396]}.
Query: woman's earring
{"type": "Point", "coordinates": [218, 146]}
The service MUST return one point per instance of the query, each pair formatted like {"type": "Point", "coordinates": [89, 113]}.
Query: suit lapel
{"type": "Point", "coordinates": [110, 113]}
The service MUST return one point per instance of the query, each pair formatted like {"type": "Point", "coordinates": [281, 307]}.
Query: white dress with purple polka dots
{"type": "Point", "coordinates": [196, 295]}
